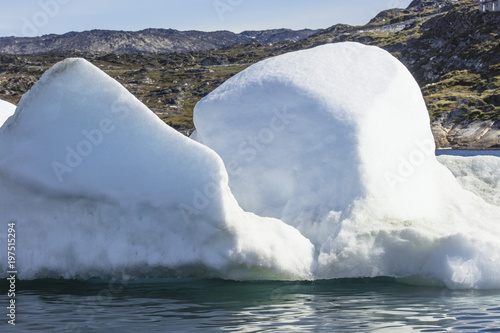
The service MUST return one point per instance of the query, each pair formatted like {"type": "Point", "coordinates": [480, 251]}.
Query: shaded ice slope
{"type": "Point", "coordinates": [6, 110]}
{"type": "Point", "coordinates": [336, 142]}
{"type": "Point", "coordinates": [98, 186]}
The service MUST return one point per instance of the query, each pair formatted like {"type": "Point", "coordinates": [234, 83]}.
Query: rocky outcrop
{"type": "Point", "coordinates": [279, 35]}
{"type": "Point", "coordinates": [477, 134]}
{"type": "Point", "coordinates": [421, 5]}
{"type": "Point", "coordinates": [215, 61]}
{"type": "Point", "coordinates": [450, 130]}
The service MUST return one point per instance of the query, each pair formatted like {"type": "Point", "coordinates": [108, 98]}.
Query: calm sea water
{"type": "Point", "coordinates": [193, 305]}
{"type": "Point", "coordinates": [353, 305]}
{"type": "Point", "coordinates": [468, 152]}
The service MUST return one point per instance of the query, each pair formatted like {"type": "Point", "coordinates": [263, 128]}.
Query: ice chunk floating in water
{"type": "Point", "coordinates": [336, 142]}
{"type": "Point", "coordinates": [97, 185]}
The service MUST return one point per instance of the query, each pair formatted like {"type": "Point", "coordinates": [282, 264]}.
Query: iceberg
{"type": "Point", "coordinates": [336, 142]}
{"type": "Point", "coordinates": [98, 186]}
{"type": "Point", "coordinates": [6, 110]}
{"type": "Point", "coordinates": [317, 164]}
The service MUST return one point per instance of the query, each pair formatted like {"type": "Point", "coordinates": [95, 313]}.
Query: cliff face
{"type": "Point", "coordinates": [455, 57]}
{"type": "Point", "coordinates": [461, 77]}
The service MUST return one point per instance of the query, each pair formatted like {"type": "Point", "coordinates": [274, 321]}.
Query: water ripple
{"type": "Point", "coordinates": [362, 305]}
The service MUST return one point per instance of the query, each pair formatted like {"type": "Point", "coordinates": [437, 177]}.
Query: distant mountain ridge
{"type": "Point", "coordinates": [279, 35]}
{"type": "Point", "coordinates": [144, 41]}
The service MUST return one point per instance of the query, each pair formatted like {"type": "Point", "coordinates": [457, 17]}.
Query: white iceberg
{"type": "Point", "coordinates": [336, 142]}
{"type": "Point", "coordinates": [332, 145]}
{"type": "Point", "coordinates": [6, 110]}
{"type": "Point", "coordinates": [98, 186]}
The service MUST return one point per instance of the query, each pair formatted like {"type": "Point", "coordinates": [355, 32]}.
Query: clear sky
{"type": "Point", "coordinates": [40, 17]}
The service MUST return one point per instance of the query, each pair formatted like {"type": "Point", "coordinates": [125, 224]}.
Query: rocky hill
{"type": "Point", "coordinates": [449, 46]}
{"type": "Point", "coordinates": [278, 35]}
{"type": "Point", "coordinates": [145, 41]}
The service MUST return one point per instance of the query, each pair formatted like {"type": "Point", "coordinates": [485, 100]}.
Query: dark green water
{"type": "Point", "coordinates": [358, 305]}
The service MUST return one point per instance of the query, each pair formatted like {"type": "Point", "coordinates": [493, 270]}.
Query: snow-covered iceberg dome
{"type": "Point", "coordinates": [98, 185]}
{"type": "Point", "coordinates": [6, 110]}
{"type": "Point", "coordinates": [315, 130]}
{"type": "Point", "coordinates": [336, 142]}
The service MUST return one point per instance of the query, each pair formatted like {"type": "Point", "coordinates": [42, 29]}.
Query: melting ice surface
{"type": "Point", "coordinates": [333, 151]}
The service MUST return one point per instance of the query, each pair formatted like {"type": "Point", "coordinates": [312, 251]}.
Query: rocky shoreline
{"type": "Point", "coordinates": [479, 134]}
